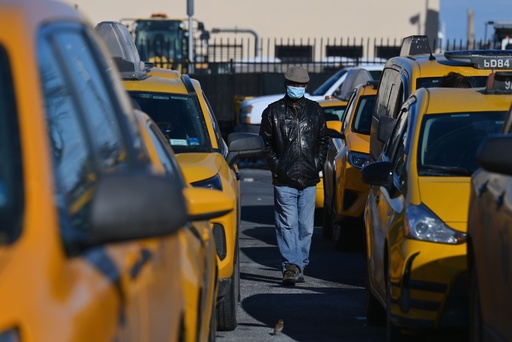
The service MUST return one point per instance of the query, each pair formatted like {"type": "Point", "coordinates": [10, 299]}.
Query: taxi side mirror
{"type": "Point", "coordinates": [490, 154]}
{"type": "Point", "coordinates": [243, 145]}
{"type": "Point", "coordinates": [378, 173]}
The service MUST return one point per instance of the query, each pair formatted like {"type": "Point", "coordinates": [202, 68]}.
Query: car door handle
{"type": "Point", "coordinates": [499, 200]}
{"type": "Point", "coordinates": [482, 188]}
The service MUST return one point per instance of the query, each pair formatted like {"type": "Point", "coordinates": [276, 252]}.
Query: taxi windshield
{"type": "Point", "coordinates": [179, 117]}
{"type": "Point", "coordinates": [334, 113]}
{"type": "Point", "coordinates": [448, 142]}
{"type": "Point", "coordinates": [322, 89]}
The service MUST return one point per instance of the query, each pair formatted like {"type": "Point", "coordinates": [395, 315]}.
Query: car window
{"type": "Point", "coordinates": [448, 142]}
{"type": "Point", "coordinates": [334, 113]}
{"type": "Point", "coordinates": [216, 128]}
{"type": "Point", "coordinates": [75, 172]}
{"type": "Point", "coordinates": [98, 108]}
{"type": "Point", "coordinates": [426, 82]}
{"type": "Point", "coordinates": [362, 121]}
{"type": "Point", "coordinates": [11, 173]}
{"type": "Point", "coordinates": [179, 117]}
{"type": "Point", "coordinates": [171, 167]}
{"type": "Point", "coordinates": [322, 89]}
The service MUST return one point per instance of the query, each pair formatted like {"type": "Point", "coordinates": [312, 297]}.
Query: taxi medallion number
{"type": "Point", "coordinates": [495, 63]}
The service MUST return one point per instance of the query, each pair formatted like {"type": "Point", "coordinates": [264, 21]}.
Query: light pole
{"type": "Point", "coordinates": [490, 22]}
{"type": "Point", "coordinates": [190, 13]}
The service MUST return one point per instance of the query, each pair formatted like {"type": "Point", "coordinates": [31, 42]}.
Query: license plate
{"type": "Point", "coordinates": [495, 63]}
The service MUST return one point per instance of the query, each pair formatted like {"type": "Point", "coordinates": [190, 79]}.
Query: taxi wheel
{"type": "Point", "coordinates": [475, 313]}
{"type": "Point", "coordinates": [227, 309]}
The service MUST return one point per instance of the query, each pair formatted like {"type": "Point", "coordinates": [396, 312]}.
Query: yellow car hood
{"type": "Point", "coordinates": [199, 166]}
{"type": "Point", "coordinates": [447, 197]}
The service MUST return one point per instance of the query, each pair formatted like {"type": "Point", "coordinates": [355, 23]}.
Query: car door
{"type": "Point", "coordinates": [90, 138]}
{"type": "Point", "coordinates": [386, 203]}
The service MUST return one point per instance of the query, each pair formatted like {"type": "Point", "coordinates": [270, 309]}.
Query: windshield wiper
{"type": "Point", "coordinates": [435, 170]}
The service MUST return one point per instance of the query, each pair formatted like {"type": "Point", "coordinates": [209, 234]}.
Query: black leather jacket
{"type": "Point", "coordinates": [295, 140]}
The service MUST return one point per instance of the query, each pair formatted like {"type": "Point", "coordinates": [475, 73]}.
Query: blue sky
{"type": "Point", "coordinates": [453, 16]}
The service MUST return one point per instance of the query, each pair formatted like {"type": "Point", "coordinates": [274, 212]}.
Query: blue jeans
{"type": "Point", "coordinates": [294, 214]}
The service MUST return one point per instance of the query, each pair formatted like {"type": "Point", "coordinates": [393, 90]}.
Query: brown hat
{"type": "Point", "coordinates": [297, 74]}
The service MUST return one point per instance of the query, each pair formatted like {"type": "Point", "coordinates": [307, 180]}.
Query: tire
{"type": "Point", "coordinates": [475, 310]}
{"type": "Point", "coordinates": [227, 308]}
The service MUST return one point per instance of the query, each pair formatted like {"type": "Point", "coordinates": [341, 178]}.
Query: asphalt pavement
{"type": "Point", "coordinates": [329, 306]}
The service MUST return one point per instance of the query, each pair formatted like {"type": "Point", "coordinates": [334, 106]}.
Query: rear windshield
{"type": "Point", "coordinates": [179, 117]}
{"type": "Point", "coordinates": [448, 142]}
{"type": "Point", "coordinates": [429, 82]}
{"type": "Point", "coordinates": [11, 181]}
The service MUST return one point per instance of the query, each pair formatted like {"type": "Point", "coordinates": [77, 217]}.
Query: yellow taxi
{"type": "Point", "coordinates": [418, 67]}
{"type": "Point", "coordinates": [344, 204]}
{"type": "Point", "coordinates": [89, 225]}
{"type": "Point", "coordinates": [417, 208]}
{"type": "Point", "coordinates": [182, 112]}
{"type": "Point", "coordinates": [198, 262]}
{"type": "Point", "coordinates": [489, 238]}
{"type": "Point", "coordinates": [333, 108]}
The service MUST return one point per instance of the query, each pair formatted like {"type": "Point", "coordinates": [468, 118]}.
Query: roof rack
{"type": "Point", "coordinates": [415, 45]}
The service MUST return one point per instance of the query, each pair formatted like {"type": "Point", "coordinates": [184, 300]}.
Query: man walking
{"type": "Point", "coordinates": [295, 136]}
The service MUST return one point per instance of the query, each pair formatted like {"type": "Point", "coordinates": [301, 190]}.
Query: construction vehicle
{"type": "Point", "coordinates": [164, 42]}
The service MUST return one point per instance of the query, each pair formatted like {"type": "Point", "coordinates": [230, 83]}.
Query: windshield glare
{"type": "Point", "coordinates": [179, 117]}
{"type": "Point", "coordinates": [320, 91]}
{"type": "Point", "coordinates": [451, 140]}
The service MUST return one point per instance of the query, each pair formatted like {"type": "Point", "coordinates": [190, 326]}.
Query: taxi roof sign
{"type": "Point", "coordinates": [415, 45]}
{"type": "Point", "coordinates": [499, 83]}
{"type": "Point", "coordinates": [122, 48]}
{"type": "Point", "coordinates": [482, 59]}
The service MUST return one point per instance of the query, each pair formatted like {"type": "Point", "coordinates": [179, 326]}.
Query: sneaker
{"type": "Point", "coordinates": [290, 274]}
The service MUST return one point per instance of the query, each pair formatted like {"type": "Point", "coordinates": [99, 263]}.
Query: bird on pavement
{"type": "Point", "coordinates": [279, 327]}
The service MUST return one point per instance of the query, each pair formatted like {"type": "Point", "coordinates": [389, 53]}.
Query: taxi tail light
{"type": "Point", "coordinates": [220, 240]}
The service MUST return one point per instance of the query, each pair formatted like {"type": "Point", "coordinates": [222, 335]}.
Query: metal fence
{"type": "Point", "coordinates": [230, 69]}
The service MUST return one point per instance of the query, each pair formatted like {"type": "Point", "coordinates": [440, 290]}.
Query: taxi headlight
{"type": "Point", "coordinates": [210, 183]}
{"type": "Point", "coordinates": [422, 224]}
{"type": "Point", "coordinates": [357, 159]}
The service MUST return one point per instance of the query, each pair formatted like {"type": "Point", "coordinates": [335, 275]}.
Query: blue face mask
{"type": "Point", "coordinates": [295, 92]}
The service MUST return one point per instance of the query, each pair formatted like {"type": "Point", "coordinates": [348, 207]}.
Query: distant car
{"type": "Point", "coordinates": [417, 209]}
{"type": "Point", "coordinates": [197, 249]}
{"type": "Point", "coordinates": [333, 110]}
{"type": "Point", "coordinates": [489, 244]}
{"type": "Point", "coordinates": [182, 112]}
{"type": "Point", "coordinates": [251, 109]}
{"type": "Point", "coordinates": [417, 66]}
{"type": "Point", "coordinates": [346, 198]}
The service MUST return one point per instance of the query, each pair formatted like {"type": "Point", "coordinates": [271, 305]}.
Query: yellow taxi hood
{"type": "Point", "coordinates": [359, 142]}
{"type": "Point", "coordinates": [447, 197]}
{"type": "Point", "coordinates": [199, 166]}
